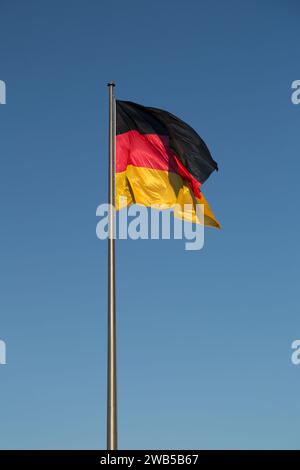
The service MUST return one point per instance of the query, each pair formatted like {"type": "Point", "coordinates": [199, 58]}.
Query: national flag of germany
{"type": "Point", "coordinates": [160, 162]}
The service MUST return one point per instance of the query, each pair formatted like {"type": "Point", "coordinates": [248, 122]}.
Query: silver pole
{"type": "Point", "coordinates": [111, 356]}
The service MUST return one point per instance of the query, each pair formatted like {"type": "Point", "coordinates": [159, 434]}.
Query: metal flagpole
{"type": "Point", "coordinates": [111, 351]}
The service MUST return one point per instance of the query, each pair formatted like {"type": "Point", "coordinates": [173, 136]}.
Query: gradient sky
{"type": "Point", "coordinates": [204, 337]}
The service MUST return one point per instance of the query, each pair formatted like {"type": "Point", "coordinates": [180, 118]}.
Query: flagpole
{"type": "Point", "coordinates": [111, 351]}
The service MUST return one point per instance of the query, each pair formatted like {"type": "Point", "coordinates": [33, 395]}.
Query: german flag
{"type": "Point", "coordinates": [161, 162]}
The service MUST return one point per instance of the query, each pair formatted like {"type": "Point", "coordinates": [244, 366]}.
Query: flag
{"type": "Point", "coordinates": [161, 162]}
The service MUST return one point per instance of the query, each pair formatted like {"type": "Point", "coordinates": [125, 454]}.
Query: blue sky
{"type": "Point", "coordinates": [203, 337]}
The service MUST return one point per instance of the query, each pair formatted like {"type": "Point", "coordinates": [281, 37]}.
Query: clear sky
{"type": "Point", "coordinates": [204, 337]}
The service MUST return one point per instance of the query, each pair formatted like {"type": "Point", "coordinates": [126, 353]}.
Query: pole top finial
{"type": "Point", "coordinates": [111, 83]}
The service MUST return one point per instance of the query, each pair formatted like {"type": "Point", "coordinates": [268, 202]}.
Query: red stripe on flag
{"type": "Point", "coordinates": [150, 151]}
